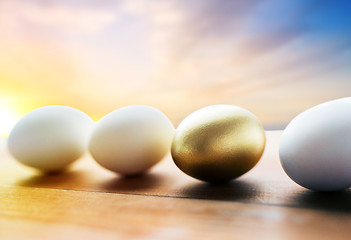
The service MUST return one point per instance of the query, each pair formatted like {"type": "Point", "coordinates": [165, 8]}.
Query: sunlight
{"type": "Point", "coordinates": [8, 118]}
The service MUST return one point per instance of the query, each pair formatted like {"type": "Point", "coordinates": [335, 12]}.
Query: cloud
{"type": "Point", "coordinates": [177, 55]}
{"type": "Point", "coordinates": [56, 15]}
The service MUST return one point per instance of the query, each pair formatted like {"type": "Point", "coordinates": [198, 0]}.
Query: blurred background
{"type": "Point", "coordinates": [275, 58]}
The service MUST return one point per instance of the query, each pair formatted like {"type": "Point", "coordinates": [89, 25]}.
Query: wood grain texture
{"type": "Point", "coordinates": [92, 203]}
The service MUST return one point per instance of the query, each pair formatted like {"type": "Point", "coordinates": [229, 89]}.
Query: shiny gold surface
{"type": "Point", "coordinates": [218, 143]}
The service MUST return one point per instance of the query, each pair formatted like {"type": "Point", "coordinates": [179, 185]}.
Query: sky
{"type": "Point", "coordinates": [276, 58]}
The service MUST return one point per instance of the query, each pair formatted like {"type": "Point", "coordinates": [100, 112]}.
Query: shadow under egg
{"type": "Point", "coordinates": [339, 201]}
{"type": "Point", "coordinates": [133, 183]}
{"type": "Point", "coordinates": [58, 180]}
{"type": "Point", "coordinates": [238, 190]}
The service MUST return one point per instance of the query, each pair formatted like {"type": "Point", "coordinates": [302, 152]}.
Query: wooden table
{"type": "Point", "coordinates": [89, 202]}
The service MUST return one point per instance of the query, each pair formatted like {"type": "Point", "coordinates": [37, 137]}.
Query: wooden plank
{"type": "Point", "coordinates": [265, 184]}
{"type": "Point", "coordinates": [41, 213]}
{"type": "Point", "coordinates": [92, 203]}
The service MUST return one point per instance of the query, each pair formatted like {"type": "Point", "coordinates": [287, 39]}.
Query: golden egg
{"type": "Point", "coordinates": [218, 143]}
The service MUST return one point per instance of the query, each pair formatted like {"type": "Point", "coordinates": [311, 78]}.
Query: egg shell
{"type": "Point", "coordinates": [315, 147]}
{"type": "Point", "coordinates": [218, 143]}
{"type": "Point", "coordinates": [131, 140]}
{"type": "Point", "coordinates": [50, 138]}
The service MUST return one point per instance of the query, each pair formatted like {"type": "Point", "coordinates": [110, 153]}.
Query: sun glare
{"type": "Point", "coordinates": [8, 118]}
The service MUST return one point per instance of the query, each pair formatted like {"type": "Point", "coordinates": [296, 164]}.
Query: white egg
{"type": "Point", "coordinates": [131, 140]}
{"type": "Point", "coordinates": [315, 148]}
{"type": "Point", "coordinates": [50, 138]}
